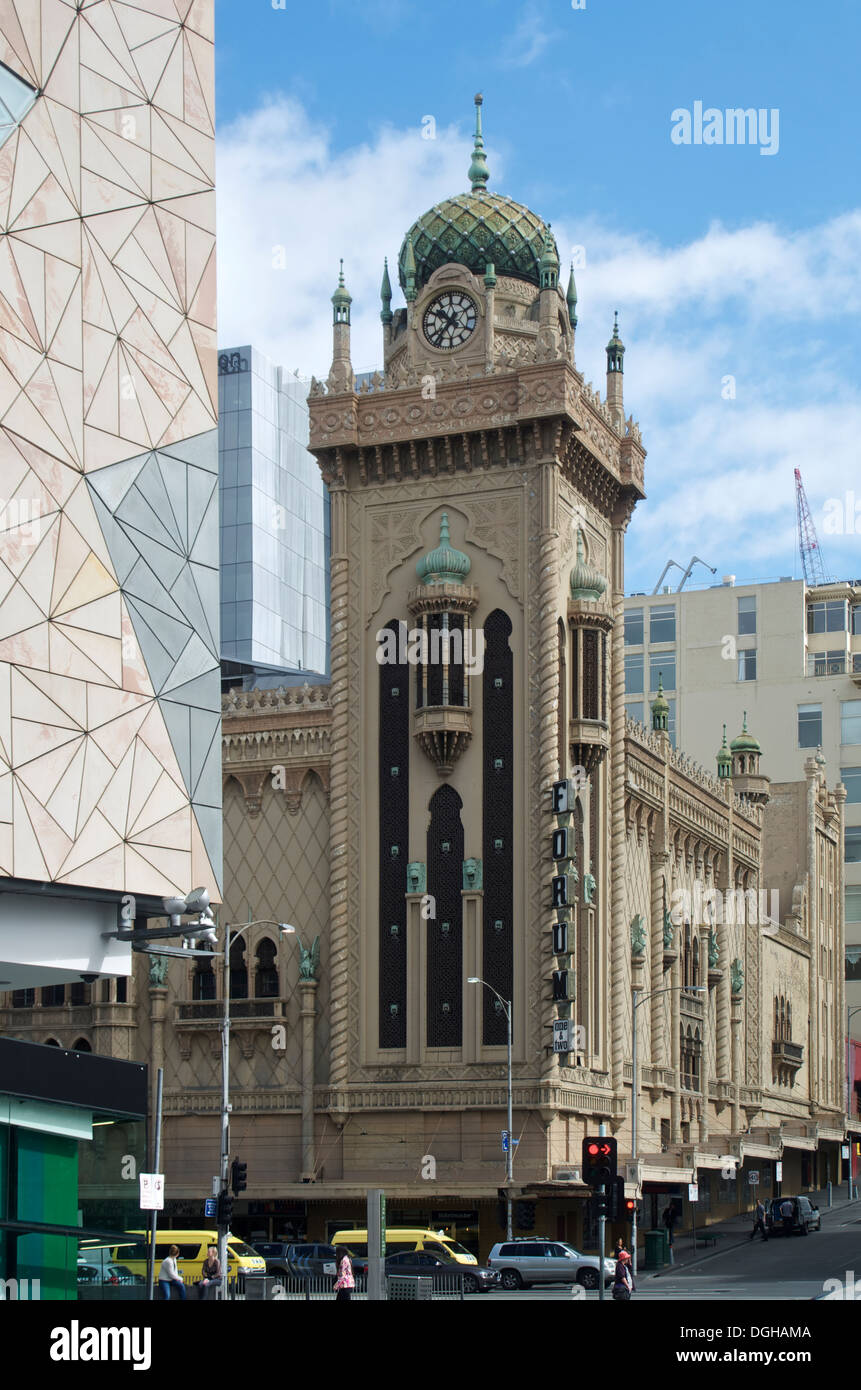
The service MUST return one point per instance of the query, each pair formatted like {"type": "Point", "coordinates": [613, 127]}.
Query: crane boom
{"type": "Point", "coordinates": [812, 565]}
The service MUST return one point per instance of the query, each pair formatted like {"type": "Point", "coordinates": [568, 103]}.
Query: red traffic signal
{"type": "Point", "coordinates": [599, 1161]}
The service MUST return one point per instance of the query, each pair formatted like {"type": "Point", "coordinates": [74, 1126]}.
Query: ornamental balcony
{"type": "Point", "coordinates": [589, 740]}
{"type": "Point", "coordinates": [443, 732]}
{"type": "Point", "coordinates": [786, 1059]}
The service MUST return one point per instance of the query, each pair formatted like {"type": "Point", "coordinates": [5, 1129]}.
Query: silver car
{"type": "Point", "coordinates": [521, 1263]}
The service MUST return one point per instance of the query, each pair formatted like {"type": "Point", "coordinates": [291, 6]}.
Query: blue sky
{"type": "Point", "coordinates": [723, 261]}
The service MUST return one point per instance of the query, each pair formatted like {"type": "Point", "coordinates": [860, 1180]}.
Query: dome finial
{"type": "Point", "coordinates": [386, 294]}
{"type": "Point", "coordinates": [444, 564]}
{"type": "Point", "coordinates": [478, 171]}
{"type": "Point", "coordinates": [571, 297]}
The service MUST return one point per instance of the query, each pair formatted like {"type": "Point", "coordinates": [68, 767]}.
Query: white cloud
{"type": "Point", "coordinates": [770, 306]}
{"type": "Point", "coordinates": [526, 43]}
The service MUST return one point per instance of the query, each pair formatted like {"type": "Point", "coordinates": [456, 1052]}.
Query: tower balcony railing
{"type": "Point", "coordinates": [824, 664]}
{"type": "Point", "coordinates": [207, 1010]}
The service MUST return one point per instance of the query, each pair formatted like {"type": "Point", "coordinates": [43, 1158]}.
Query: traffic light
{"type": "Point", "coordinates": [524, 1216]}
{"type": "Point", "coordinates": [224, 1209]}
{"type": "Point", "coordinates": [599, 1161]}
{"type": "Point", "coordinates": [238, 1176]}
{"type": "Point", "coordinates": [600, 1204]}
{"type": "Point", "coordinates": [617, 1199]}
{"type": "Point", "coordinates": [631, 1208]}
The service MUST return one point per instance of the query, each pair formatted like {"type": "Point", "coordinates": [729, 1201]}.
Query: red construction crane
{"type": "Point", "coordinates": [812, 565]}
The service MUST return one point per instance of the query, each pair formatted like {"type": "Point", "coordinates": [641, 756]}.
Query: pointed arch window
{"type": "Point", "coordinates": [266, 984]}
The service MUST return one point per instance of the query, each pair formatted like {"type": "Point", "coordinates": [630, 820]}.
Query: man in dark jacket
{"type": "Point", "coordinates": [759, 1222]}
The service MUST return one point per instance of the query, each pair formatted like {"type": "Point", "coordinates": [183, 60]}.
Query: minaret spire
{"type": "Point", "coordinates": [341, 374]}
{"type": "Point", "coordinates": [615, 370]}
{"type": "Point", "coordinates": [478, 170]}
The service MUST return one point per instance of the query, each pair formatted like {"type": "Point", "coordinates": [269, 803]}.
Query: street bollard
{"type": "Point", "coordinates": [830, 1194]}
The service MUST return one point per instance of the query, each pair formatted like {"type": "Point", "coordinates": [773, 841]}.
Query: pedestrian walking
{"type": "Point", "coordinates": [786, 1211]}
{"type": "Point", "coordinates": [669, 1219]}
{"type": "Point", "coordinates": [623, 1279]}
{"type": "Point", "coordinates": [169, 1274]}
{"type": "Point", "coordinates": [210, 1272]}
{"type": "Point", "coordinates": [345, 1283]}
{"type": "Point", "coordinates": [759, 1222]}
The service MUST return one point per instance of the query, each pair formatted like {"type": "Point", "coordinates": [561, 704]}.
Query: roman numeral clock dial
{"type": "Point", "coordinates": [450, 319]}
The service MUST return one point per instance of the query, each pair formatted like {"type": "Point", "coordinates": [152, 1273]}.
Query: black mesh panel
{"type": "Point", "coordinates": [498, 822]}
{"type": "Point", "coordinates": [394, 744]}
{"type": "Point", "coordinates": [445, 932]}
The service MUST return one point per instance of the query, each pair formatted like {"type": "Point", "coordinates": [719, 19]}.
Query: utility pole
{"type": "Point", "coordinates": [602, 1228]}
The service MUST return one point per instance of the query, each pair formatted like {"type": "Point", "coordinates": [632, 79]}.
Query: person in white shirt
{"type": "Point", "coordinates": [169, 1274]}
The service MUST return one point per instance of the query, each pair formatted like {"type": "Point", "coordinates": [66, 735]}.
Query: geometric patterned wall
{"type": "Point", "coordinates": [109, 598]}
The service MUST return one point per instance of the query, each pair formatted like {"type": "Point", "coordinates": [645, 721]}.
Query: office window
{"type": "Point", "coordinates": [747, 665]}
{"type": "Point", "coordinates": [747, 615]}
{"type": "Point", "coordinates": [633, 627]}
{"type": "Point", "coordinates": [53, 996]}
{"type": "Point", "coordinates": [829, 616]}
{"type": "Point", "coordinates": [662, 664]}
{"type": "Point", "coordinates": [856, 620]}
{"type": "Point", "coordinates": [809, 726]}
{"type": "Point", "coordinates": [662, 624]}
{"type": "Point", "coordinates": [671, 721]}
{"type": "Point", "coordinates": [853, 904]}
{"type": "Point", "coordinates": [852, 844]}
{"type": "Point", "coordinates": [23, 998]}
{"type": "Point", "coordinates": [851, 779]}
{"type": "Point", "coordinates": [853, 962]}
{"type": "Point", "coordinates": [850, 721]}
{"type": "Point", "coordinates": [634, 710]}
{"type": "Point", "coordinates": [633, 673]}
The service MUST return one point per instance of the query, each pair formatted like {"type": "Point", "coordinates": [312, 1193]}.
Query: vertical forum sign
{"type": "Point", "coordinates": [563, 896]}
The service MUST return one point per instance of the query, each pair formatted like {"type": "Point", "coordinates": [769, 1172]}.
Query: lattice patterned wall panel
{"type": "Point", "coordinates": [109, 690]}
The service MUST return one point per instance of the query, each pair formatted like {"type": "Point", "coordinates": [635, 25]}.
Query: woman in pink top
{"type": "Point", "coordinates": [345, 1283]}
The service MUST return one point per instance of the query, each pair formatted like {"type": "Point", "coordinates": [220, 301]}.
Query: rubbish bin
{"type": "Point", "coordinates": [657, 1250]}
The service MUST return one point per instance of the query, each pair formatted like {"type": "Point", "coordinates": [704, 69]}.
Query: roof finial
{"type": "Point", "coordinates": [478, 170]}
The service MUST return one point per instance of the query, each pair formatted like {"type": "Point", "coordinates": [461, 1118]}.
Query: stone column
{"type": "Point", "coordinates": [656, 1004]}
{"type": "Point", "coordinates": [811, 770]}
{"type": "Point", "coordinates": [307, 1014]}
{"type": "Point", "coordinates": [157, 1012]}
{"type": "Point", "coordinates": [619, 938]}
{"type": "Point", "coordinates": [676, 1054]}
{"type": "Point", "coordinates": [341, 908]}
{"type": "Point", "coordinates": [723, 1004]}
{"type": "Point", "coordinates": [548, 770]}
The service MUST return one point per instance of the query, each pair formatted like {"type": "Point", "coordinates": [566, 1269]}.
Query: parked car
{"type": "Point", "coordinates": [805, 1216]}
{"type": "Point", "coordinates": [107, 1274]}
{"type": "Point", "coordinates": [520, 1263]}
{"type": "Point", "coordinates": [446, 1272]}
{"type": "Point", "coordinates": [297, 1259]}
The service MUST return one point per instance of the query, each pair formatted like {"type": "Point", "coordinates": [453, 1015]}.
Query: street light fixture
{"type": "Point", "coordinates": [284, 929]}
{"type": "Point", "coordinates": [635, 1088]}
{"type": "Point", "coordinates": [506, 1004]}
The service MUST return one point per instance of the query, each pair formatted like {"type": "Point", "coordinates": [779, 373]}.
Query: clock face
{"type": "Point", "coordinates": [450, 319]}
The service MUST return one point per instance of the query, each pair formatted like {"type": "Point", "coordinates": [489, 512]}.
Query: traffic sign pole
{"type": "Point", "coordinates": [602, 1232]}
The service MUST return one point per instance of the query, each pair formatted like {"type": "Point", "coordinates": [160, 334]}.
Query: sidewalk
{"type": "Point", "coordinates": [733, 1232]}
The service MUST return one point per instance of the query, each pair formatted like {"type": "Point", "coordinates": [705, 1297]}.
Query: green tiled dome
{"type": "Point", "coordinates": [444, 565]}
{"type": "Point", "coordinates": [473, 228]}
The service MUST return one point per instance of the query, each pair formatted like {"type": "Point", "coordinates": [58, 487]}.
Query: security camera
{"type": "Point", "coordinates": [89, 979]}
{"type": "Point", "coordinates": [174, 908]}
{"type": "Point", "coordinates": [197, 900]}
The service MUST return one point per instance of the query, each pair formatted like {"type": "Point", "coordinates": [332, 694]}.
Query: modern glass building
{"type": "Point", "coordinates": [274, 523]}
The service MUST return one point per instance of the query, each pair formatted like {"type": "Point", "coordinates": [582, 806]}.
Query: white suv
{"type": "Point", "coordinates": [533, 1260]}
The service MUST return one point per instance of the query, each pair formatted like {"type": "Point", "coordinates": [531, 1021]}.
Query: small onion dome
{"type": "Point", "coordinates": [445, 565]}
{"type": "Point", "coordinates": [724, 759]}
{"type": "Point", "coordinates": [342, 294]}
{"type": "Point", "coordinates": [745, 743]}
{"type": "Point", "coordinates": [660, 708]}
{"type": "Point", "coordinates": [586, 581]}
{"type": "Point", "coordinates": [549, 255]}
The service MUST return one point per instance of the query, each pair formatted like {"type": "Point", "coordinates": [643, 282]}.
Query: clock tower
{"type": "Point", "coordinates": [480, 492]}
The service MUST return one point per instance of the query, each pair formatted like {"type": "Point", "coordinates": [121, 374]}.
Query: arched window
{"type": "Point", "coordinates": [788, 1021]}
{"type": "Point", "coordinates": [266, 977]}
{"type": "Point", "coordinates": [81, 1046]}
{"type": "Point", "coordinates": [51, 1042]}
{"type": "Point", "coordinates": [203, 979]}
{"type": "Point", "coordinates": [238, 970]}
{"type": "Point", "coordinates": [695, 961]}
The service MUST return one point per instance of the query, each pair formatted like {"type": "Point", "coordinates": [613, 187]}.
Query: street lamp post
{"type": "Point", "coordinates": [635, 1091]}
{"type": "Point", "coordinates": [506, 1004]}
{"type": "Point", "coordinates": [224, 1168]}
{"type": "Point", "coordinates": [850, 1014]}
